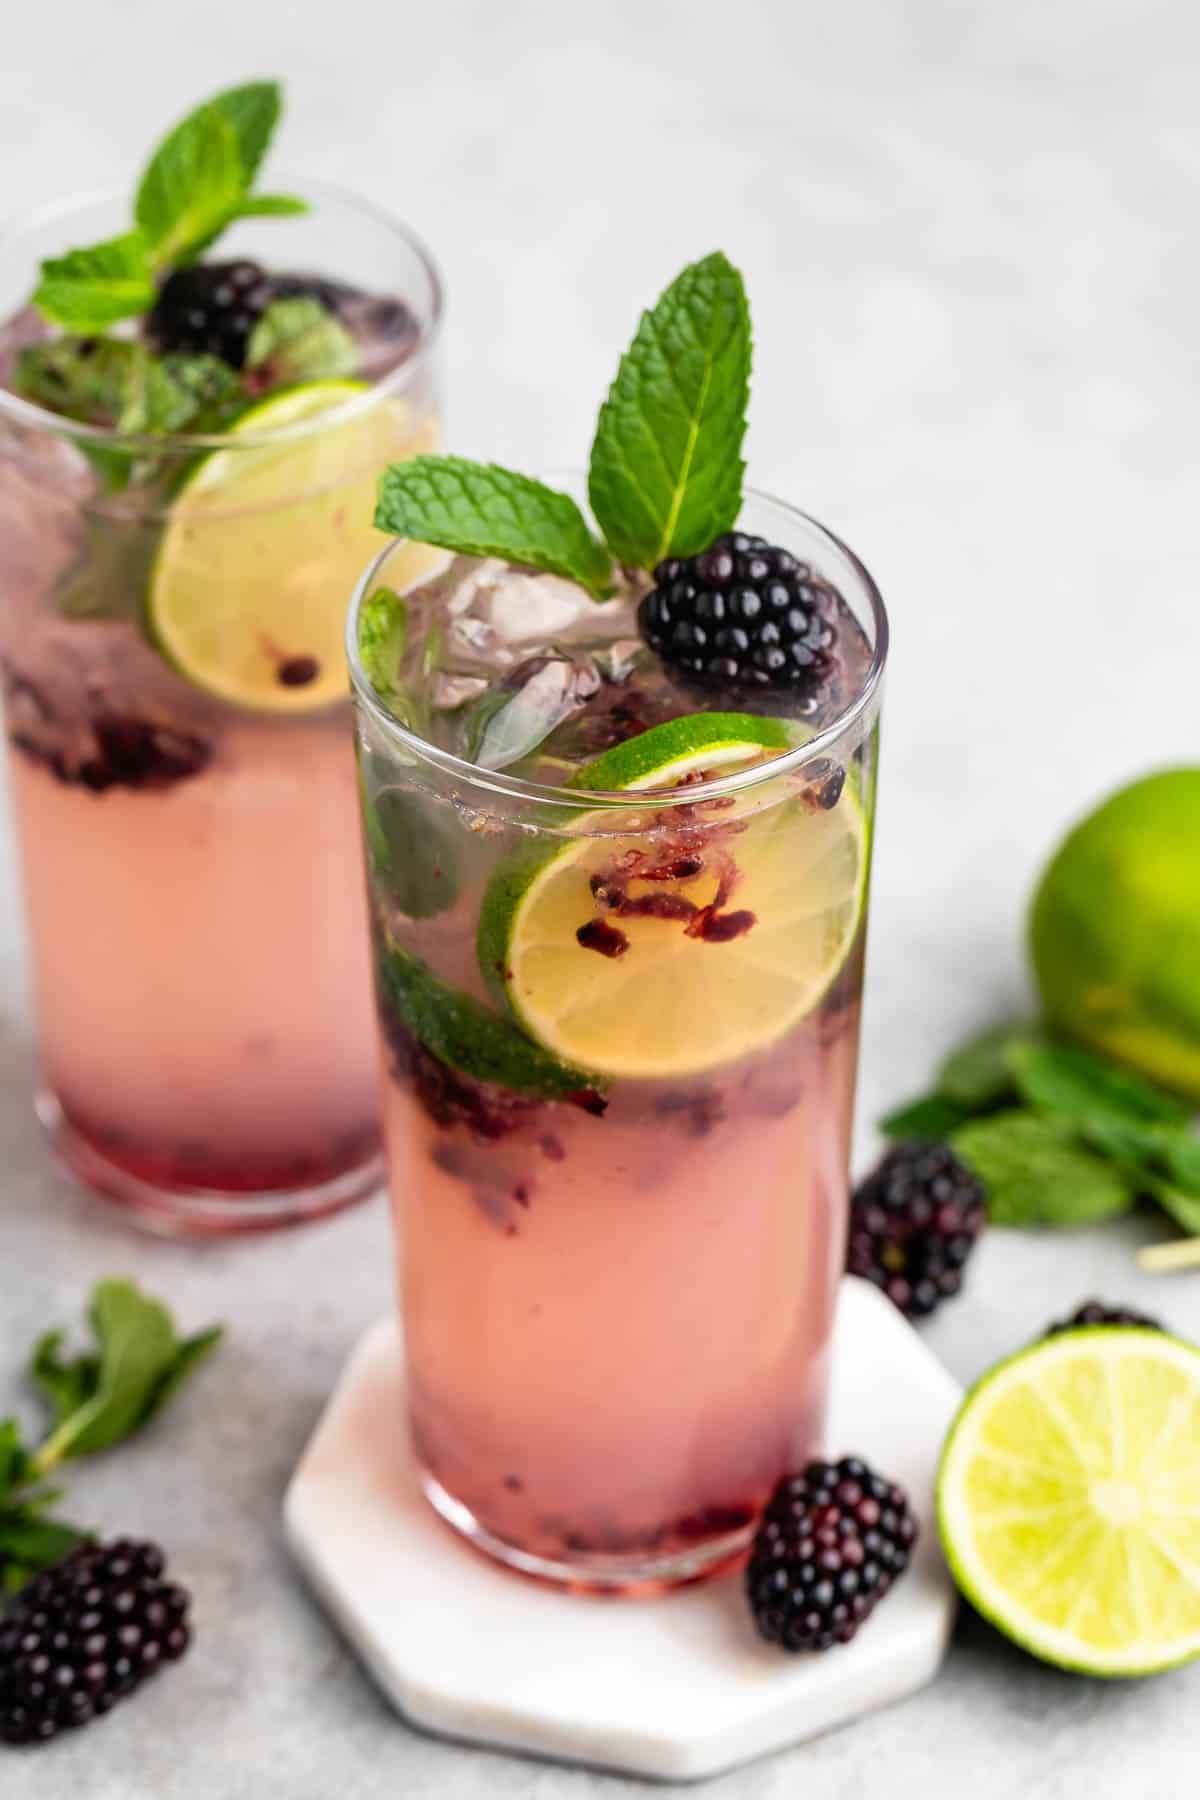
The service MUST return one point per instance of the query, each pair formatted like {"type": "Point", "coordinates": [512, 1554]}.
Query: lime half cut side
{"type": "Point", "coordinates": [1069, 1500]}
{"type": "Point", "coordinates": [698, 935]}
{"type": "Point", "coordinates": [263, 544]}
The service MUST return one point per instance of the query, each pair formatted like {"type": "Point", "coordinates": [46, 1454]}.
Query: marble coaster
{"type": "Point", "coordinates": [678, 1687]}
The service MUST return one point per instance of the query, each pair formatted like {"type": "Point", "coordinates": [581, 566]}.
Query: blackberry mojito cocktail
{"type": "Point", "coordinates": [617, 798]}
{"type": "Point", "coordinates": [188, 457]}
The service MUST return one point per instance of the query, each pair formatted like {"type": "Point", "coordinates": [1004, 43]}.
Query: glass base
{"type": "Point", "coordinates": [198, 1212]}
{"type": "Point", "coordinates": [595, 1573]}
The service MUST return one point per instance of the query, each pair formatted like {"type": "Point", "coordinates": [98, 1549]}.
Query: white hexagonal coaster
{"type": "Point", "coordinates": [677, 1687]}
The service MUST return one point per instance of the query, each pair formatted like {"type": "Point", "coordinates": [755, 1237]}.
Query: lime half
{"type": "Point", "coordinates": [1069, 1500]}
{"type": "Point", "coordinates": [694, 937]}
{"type": "Point", "coordinates": [262, 546]}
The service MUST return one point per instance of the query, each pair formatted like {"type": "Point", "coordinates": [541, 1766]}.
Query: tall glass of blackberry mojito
{"type": "Point", "coordinates": [618, 796]}
{"type": "Point", "coordinates": [190, 438]}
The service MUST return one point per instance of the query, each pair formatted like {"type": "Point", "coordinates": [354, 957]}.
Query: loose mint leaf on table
{"type": "Point", "coordinates": [479, 509]}
{"type": "Point", "coordinates": [932, 1118]}
{"type": "Point", "coordinates": [979, 1074]}
{"type": "Point", "coordinates": [1068, 1083]}
{"type": "Point", "coordinates": [1035, 1174]}
{"type": "Point", "coordinates": [666, 466]}
{"type": "Point", "coordinates": [89, 289]}
{"type": "Point", "coordinates": [104, 1395]}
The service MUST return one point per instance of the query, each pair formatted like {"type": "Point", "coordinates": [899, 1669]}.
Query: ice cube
{"type": "Point", "coordinates": [534, 698]}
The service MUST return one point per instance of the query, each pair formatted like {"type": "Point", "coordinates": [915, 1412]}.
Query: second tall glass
{"type": "Point", "coordinates": [182, 776]}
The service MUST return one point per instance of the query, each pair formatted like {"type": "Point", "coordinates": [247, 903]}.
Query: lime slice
{"type": "Point", "coordinates": [644, 995]}
{"type": "Point", "coordinates": [1069, 1500]}
{"type": "Point", "coordinates": [262, 546]}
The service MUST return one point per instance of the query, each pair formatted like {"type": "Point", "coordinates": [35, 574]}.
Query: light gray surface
{"type": "Point", "coordinates": [970, 239]}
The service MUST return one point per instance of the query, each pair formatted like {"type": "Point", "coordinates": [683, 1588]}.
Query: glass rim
{"type": "Point", "coordinates": [495, 781]}
{"type": "Point", "coordinates": [29, 413]}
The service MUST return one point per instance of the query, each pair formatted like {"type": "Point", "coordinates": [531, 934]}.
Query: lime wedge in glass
{"type": "Point", "coordinates": [263, 544]}
{"type": "Point", "coordinates": [660, 1000]}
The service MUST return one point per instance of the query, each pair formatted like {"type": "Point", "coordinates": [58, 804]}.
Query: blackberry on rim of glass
{"type": "Point", "coordinates": [744, 613]}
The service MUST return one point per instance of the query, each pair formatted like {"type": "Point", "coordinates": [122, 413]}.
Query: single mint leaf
{"type": "Point", "coordinates": [382, 635]}
{"type": "Point", "coordinates": [87, 290]}
{"type": "Point", "coordinates": [120, 1383]}
{"type": "Point", "coordinates": [252, 111]}
{"type": "Point", "coordinates": [979, 1073]}
{"type": "Point", "coordinates": [666, 466]}
{"type": "Point", "coordinates": [1035, 1174]}
{"type": "Point", "coordinates": [933, 1118]}
{"type": "Point", "coordinates": [191, 187]}
{"type": "Point", "coordinates": [187, 1359]}
{"type": "Point", "coordinates": [65, 1386]}
{"type": "Point", "coordinates": [479, 509]}
{"type": "Point", "coordinates": [299, 340]}
{"type": "Point", "coordinates": [1068, 1083]}
{"type": "Point", "coordinates": [414, 855]}
{"type": "Point", "coordinates": [460, 1031]}
{"type": "Point", "coordinates": [1183, 1208]}
{"type": "Point", "coordinates": [271, 206]}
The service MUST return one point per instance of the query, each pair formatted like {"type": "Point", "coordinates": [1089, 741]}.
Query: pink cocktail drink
{"type": "Point", "coordinates": [620, 1043]}
{"type": "Point", "coordinates": [180, 752]}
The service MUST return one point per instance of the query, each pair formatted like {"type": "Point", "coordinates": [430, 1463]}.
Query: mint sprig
{"type": "Point", "coordinates": [479, 509]}
{"type": "Point", "coordinates": [97, 1399]}
{"type": "Point", "coordinates": [1057, 1134]}
{"type": "Point", "coordinates": [666, 469]}
{"type": "Point", "coordinates": [196, 183]}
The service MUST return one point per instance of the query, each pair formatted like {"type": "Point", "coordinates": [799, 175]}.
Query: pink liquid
{"type": "Point", "coordinates": [190, 1030]}
{"type": "Point", "coordinates": [618, 1327]}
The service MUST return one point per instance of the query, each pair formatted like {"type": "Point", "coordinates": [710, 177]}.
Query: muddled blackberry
{"type": "Point", "coordinates": [913, 1223]}
{"type": "Point", "coordinates": [86, 1634]}
{"type": "Point", "coordinates": [1095, 1312]}
{"type": "Point", "coordinates": [743, 613]}
{"type": "Point", "coordinates": [210, 307]}
{"type": "Point", "coordinates": [828, 1547]}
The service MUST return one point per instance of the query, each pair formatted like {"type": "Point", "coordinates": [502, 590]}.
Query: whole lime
{"type": "Point", "coordinates": [1115, 930]}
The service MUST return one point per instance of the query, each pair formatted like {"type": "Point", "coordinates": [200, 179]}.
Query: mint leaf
{"type": "Point", "coordinates": [86, 290]}
{"type": "Point", "coordinates": [1035, 1174]}
{"type": "Point", "coordinates": [666, 466]}
{"type": "Point", "coordinates": [299, 340]}
{"type": "Point", "coordinates": [271, 206]}
{"type": "Point", "coordinates": [479, 509]}
{"type": "Point", "coordinates": [1068, 1083]}
{"type": "Point", "coordinates": [470, 1037]}
{"type": "Point", "coordinates": [979, 1073]}
{"type": "Point", "coordinates": [382, 635]}
{"type": "Point", "coordinates": [192, 185]}
{"type": "Point", "coordinates": [107, 1394]}
{"type": "Point", "coordinates": [414, 854]}
{"type": "Point", "coordinates": [252, 112]}
{"type": "Point", "coordinates": [1183, 1208]}
{"type": "Point", "coordinates": [933, 1117]}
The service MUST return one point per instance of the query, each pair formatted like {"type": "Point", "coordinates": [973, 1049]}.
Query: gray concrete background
{"type": "Point", "coordinates": [970, 238]}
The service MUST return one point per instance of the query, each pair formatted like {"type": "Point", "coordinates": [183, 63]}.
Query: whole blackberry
{"type": "Point", "coordinates": [829, 1546]}
{"type": "Point", "coordinates": [210, 307]}
{"type": "Point", "coordinates": [913, 1224]}
{"type": "Point", "coordinates": [84, 1635]}
{"type": "Point", "coordinates": [1095, 1312]}
{"type": "Point", "coordinates": [743, 613]}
